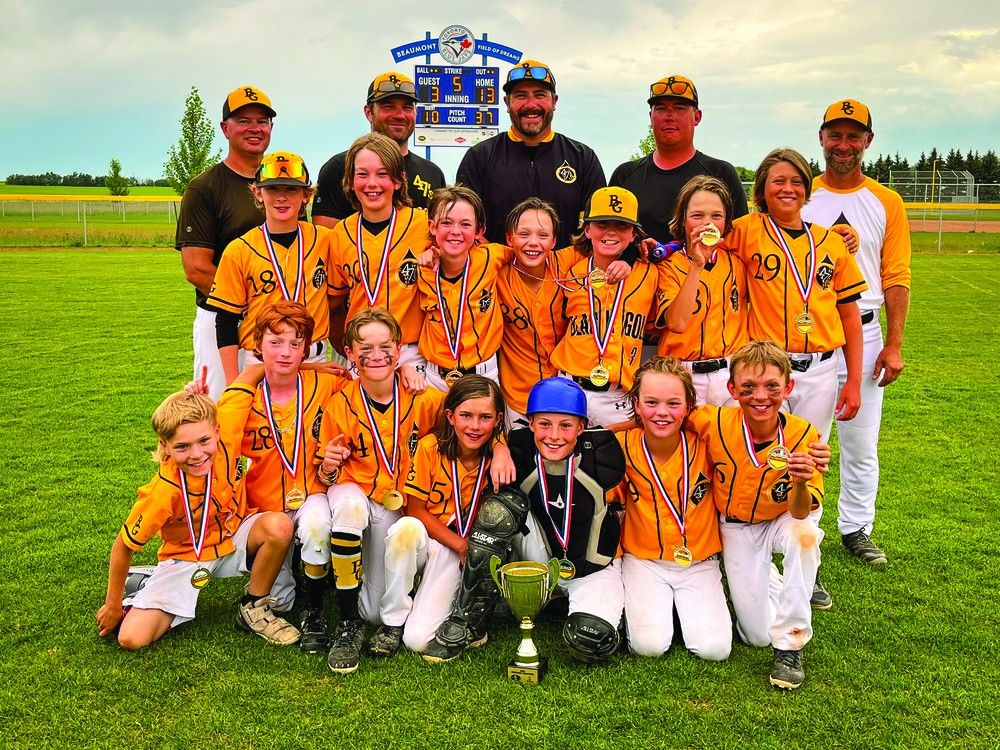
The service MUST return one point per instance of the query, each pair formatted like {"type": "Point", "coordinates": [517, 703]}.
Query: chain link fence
{"type": "Point", "coordinates": [61, 221]}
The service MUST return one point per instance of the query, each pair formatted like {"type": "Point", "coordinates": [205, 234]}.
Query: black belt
{"type": "Point", "coordinates": [705, 366]}
{"type": "Point", "coordinates": [443, 371]}
{"type": "Point", "coordinates": [589, 386]}
{"type": "Point", "coordinates": [867, 317]}
{"type": "Point", "coordinates": [802, 365]}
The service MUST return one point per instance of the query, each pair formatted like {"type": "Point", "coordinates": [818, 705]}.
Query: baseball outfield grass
{"type": "Point", "coordinates": [906, 658]}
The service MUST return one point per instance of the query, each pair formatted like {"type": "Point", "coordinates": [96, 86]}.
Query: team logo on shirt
{"type": "Point", "coordinates": [411, 444]}
{"type": "Point", "coordinates": [781, 490]}
{"type": "Point", "coordinates": [565, 173]}
{"type": "Point", "coordinates": [734, 298]}
{"type": "Point", "coordinates": [824, 274]}
{"type": "Point", "coordinates": [408, 270]}
{"type": "Point", "coordinates": [485, 301]}
{"type": "Point", "coordinates": [316, 424]}
{"type": "Point", "coordinates": [319, 275]}
{"type": "Point", "coordinates": [700, 489]}
{"type": "Point", "coordinates": [242, 466]}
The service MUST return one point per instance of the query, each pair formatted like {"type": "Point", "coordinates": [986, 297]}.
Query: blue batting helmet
{"type": "Point", "coordinates": [559, 396]}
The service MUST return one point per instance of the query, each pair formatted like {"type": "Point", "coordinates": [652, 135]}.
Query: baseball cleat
{"type": "Point", "coordinates": [386, 641]}
{"type": "Point", "coordinates": [436, 653]}
{"type": "Point", "coordinates": [258, 618]}
{"type": "Point", "coordinates": [787, 672]}
{"type": "Point", "coordinates": [315, 639]}
{"type": "Point", "coordinates": [821, 598]}
{"type": "Point", "coordinates": [345, 653]}
{"type": "Point", "coordinates": [859, 544]}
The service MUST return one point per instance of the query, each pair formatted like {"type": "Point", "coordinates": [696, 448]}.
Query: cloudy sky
{"type": "Point", "coordinates": [87, 81]}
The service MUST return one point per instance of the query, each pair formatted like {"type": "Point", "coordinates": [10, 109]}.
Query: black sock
{"type": "Point", "coordinates": [347, 601]}
{"type": "Point", "coordinates": [312, 592]}
{"type": "Point", "coordinates": [250, 599]}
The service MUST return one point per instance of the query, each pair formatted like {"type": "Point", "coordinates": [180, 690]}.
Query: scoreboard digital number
{"type": "Point", "coordinates": [458, 106]}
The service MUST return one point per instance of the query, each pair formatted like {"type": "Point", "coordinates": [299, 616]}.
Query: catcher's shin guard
{"type": "Point", "coordinates": [590, 638]}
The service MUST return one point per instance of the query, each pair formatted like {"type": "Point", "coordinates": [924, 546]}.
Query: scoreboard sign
{"type": "Point", "coordinates": [458, 106]}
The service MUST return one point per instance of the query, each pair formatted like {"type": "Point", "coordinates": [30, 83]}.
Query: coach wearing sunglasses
{"type": "Point", "coordinates": [657, 179]}
{"type": "Point", "coordinates": [530, 159]}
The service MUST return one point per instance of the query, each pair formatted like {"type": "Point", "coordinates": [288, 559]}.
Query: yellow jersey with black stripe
{"type": "Point", "coordinates": [429, 481]}
{"type": "Point", "coordinates": [775, 301]}
{"type": "Point", "coordinates": [351, 257]}
{"type": "Point", "coordinates": [577, 353]}
{"type": "Point", "coordinates": [743, 491]}
{"type": "Point", "coordinates": [345, 414]}
{"type": "Point", "coordinates": [267, 481]}
{"type": "Point", "coordinates": [246, 282]}
{"type": "Point", "coordinates": [478, 312]}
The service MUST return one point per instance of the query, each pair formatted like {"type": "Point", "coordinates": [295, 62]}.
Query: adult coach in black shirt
{"type": "Point", "coordinates": [530, 159]}
{"type": "Point", "coordinates": [391, 110]}
{"type": "Point", "coordinates": [656, 179]}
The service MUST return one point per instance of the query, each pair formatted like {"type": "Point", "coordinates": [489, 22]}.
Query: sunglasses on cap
{"type": "Point", "coordinates": [390, 85]}
{"type": "Point", "coordinates": [533, 73]}
{"type": "Point", "coordinates": [673, 87]}
{"type": "Point", "coordinates": [282, 168]}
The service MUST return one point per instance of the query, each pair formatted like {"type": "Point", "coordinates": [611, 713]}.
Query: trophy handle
{"type": "Point", "coordinates": [495, 563]}
{"type": "Point", "coordinates": [553, 574]}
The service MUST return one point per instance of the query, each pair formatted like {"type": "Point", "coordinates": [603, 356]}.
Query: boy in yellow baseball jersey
{"type": "Point", "coordinates": [196, 504]}
{"type": "Point", "coordinates": [704, 291]}
{"type": "Point", "coordinates": [463, 324]}
{"type": "Point", "coordinates": [284, 403]}
{"type": "Point", "coordinates": [768, 493]}
{"type": "Point", "coordinates": [603, 345]}
{"type": "Point", "coordinates": [282, 259]}
{"type": "Point", "coordinates": [670, 533]}
{"type": "Point", "coordinates": [374, 252]}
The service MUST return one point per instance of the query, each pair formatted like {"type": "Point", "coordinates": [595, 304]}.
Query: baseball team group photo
{"type": "Point", "coordinates": [562, 452]}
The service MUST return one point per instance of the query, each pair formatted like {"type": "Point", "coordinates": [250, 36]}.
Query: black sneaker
{"type": "Point", "coordinates": [386, 641]}
{"type": "Point", "coordinates": [346, 649]}
{"type": "Point", "coordinates": [787, 672]}
{"type": "Point", "coordinates": [436, 653]}
{"type": "Point", "coordinates": [315, 639]}
{"type": "Point", "coordinates": [821, 598]}
{"type": "Point", "coordinates": [860, 545]}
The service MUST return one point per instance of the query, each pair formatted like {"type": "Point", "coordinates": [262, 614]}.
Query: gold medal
{"type": "Point", "coordinates": [392, 499]}
{"type": "Point", "coordinates": [600, 376]}
{"type": "Point", "coordinates": [683, 556]}
{"type": "Point", "coordinates": [777, 458]}
{"type": "Point", "coordinates": [804, 323]}
{"type": "Point", "coordinates": [711, 236]}
{"type": "Point", "coordinates": [567, 570]}
{"type": "Point", "coordinates": [598, 278]}
{"type": "Point", "coordinates": [295, 498]}
{"type": "Point", "coordinates": [201, 577]}
{"type": "Point", "coordinates": [452, 377]}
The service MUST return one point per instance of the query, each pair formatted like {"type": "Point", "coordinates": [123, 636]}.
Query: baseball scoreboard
{"type": "Point", "coordinates": [458, 105]}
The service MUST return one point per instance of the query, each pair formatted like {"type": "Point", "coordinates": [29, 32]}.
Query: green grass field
{"type": "Point", "coordinates": [6, 189]}
{"type": "Point", "coordinates": [96, 338]}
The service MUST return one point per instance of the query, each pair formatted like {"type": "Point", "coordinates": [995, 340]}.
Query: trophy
{"type": "Point", "coordinates": [526, 586]}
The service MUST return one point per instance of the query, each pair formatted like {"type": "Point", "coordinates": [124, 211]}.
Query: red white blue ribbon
{"type": "Point", "coordinates": [679, 511]}
{"type": "Point", "coordinates": [804, 286]}
{"type": "Point", "coordinates": [602, 341]}
{"type": "Point", "coordinates": [279, 274]}
{"type": "Point", "coordinates": [372, 292]}
{"type": "Point", "coordinates": [383, 454]}
{"type": "Point", "coordinates": [748, 443]}
{"type": "Point", "coordinates": [562, 534]}
{"type": "Point", "coordinates": [198, 542]}
{"type": "Point", "coordinates": [454, 340]}
{"type": "Point", "coordinates": [464, 527]}
{"type": "Point", "coordinates": [291, 464]}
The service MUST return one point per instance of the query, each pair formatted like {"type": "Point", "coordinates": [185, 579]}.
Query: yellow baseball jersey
{"type": "Point", "coordinates": [246, 283]}
{"type": "Point", "coordinates": [649, 530]}
{"type": "Point", "coordinates": [399, 287]}
{"type": "Point", "coordinates": [345, 414]}
{"type": "Point", "coordinates": [876, 216]}
{"type": "Point", "coordinates": [742, 491]}
{"type": "Point", "coordinates": [718, 325]}
{"type": "Point", "coordinates": [267, 481]}
{"type": "Point", "coordinates": [577, 353]}
{"type": "Point", "coordinates": [481, 319]}
{"type": "Point", "coordinates": [159, 508]}
{"type": "Point", "coordinates": [775, 301]}
{"type": "Point", "coordinates": [429, 480]}
{"type": "Point", "coordinates": [533, 323]}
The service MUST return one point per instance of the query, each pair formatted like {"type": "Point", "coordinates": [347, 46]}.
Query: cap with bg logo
{"type": "Point", "coordinates": [244, 96]}
{"type": "Point", "coordinates": [613, 204]}
{"type": "Point", "coordinates": [848, 109]}
{"type": "Point", "coordinates": [389, 84]}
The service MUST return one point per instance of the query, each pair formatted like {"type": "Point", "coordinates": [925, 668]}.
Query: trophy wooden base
{"type": "Point", "coordinates": [528, 675]}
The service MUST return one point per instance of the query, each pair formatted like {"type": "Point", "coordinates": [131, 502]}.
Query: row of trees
{"type": "Point", "coordinates": [78, 179]}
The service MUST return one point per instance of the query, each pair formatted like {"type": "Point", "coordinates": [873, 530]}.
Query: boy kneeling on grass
{"type": "Point", "coordinates": [196, 503]}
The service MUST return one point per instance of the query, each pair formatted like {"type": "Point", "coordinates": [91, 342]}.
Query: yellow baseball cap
{"type": "Point", "coordinates": [530, 70]}
{"type": "Point", "coordinates": [848, 109]}
{"type": "Point", "coordinates": [389, 84]}
{"type": "Point", "coordinates": [613, 204]}
{"type": "Point", "coordinates": [243, 96]}
{"type": "Point", "coordinates": [673, 87]}
{"type": "Point", "coordinates": [282, 168]}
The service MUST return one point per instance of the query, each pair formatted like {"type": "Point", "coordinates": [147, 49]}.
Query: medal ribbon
{"type": "Point", "coordinates": [804, 286]}
{"type": "Point", "coordinates": [199, 541]}
{"type": "Point", "coordinates": [603, 341]}
{"type": "Point", "coordinates": [291, 464]}
{"type": "Point", "coordinates": [372, 293]}
{"type": "Point", "coordinates": [748, 442]}
{"type": "Point", "coordinates": [454, 342]}
{"type": "Point", "coordinates": [377, 436]}
{"type": "Point", "coordinates": [543, 485]}
{"type": "Point", "coordinates": [300, 273]}
{"type": "Point", "coordinates": [679, 513]}
{"type": "Point", "coordinates": [466, 526]}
